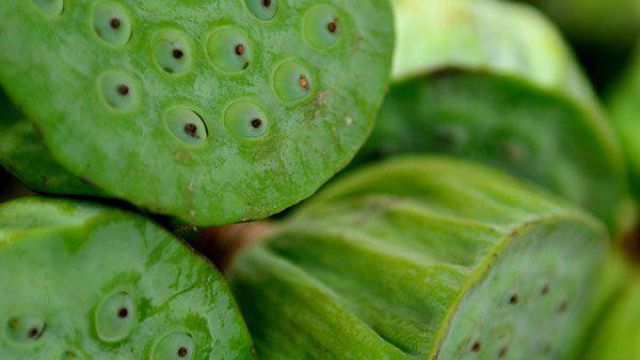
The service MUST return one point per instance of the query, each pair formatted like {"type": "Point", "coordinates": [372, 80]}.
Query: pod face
{"type": "Point", "coordinates": [127, 65]}
{"type": "Point", "coordinates": [438, 259]}
{"type": "Point", "coordinates": [516, 100]}
{"type": "Point", "coordinates": [85, 282]}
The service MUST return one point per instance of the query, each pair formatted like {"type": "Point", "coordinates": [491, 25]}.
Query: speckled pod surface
{"type": "Point", "coordinates": [80, 281]}
{"type": "Point", "coordinates": [429, 258]}
{"type": "Point", "coordinates": [211, 111]}
{"type": "Point", "coordinates": [494, 82]}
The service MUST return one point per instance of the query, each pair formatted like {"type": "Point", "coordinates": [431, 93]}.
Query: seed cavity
{"type": "Point", "coordinates": [25, 330]}
{"type": "Point", "coordinates": [246, 120]}
{"type": "Point", "coordinates": [112, 23]}
{"type": "Point", "coordinates": [115, 317]}
{"type": "Point", "coordinates": [50, 7]}
{"type": "Point", "coordinates": [119, 90]}
{"type": "Point", "coordinates": [173, 52]}
{"type": "Point", "coordinates": [293, 82]}
{"type": "Point", "coordinates": [186, 125]}
{"type": "Point", "coordinates": [322, 26]}
{"type": "Point", "coordinates": [229, 50]}
{"type": "Point", "coordinates": [263, 9]}
{"type": "Point", "coordinates": [177, 345]}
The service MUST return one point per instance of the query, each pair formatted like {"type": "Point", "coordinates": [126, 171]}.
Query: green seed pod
{"type": "Point", "coordinates": [514, 99]}
{"type": "Point", "coordinates": [211, 111]}
{"type": "Point", "coordinates": [624, 104]}
{"type": "Point", "coordinates": [83, 282]}
{"type": "Point", "coordinates": [424, 258]}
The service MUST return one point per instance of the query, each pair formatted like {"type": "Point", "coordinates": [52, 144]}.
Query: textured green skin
{"type": "Point", "coordinates": [60, 259]}
{"type": "Point", "coordinates": [517, 98]}
{"type": "Point", "coordinates": [624, 105]}
{"type": "Point", "coordinates": [23, 154]}
{"type": "Point", "coordinates": [131, 155]}
{"type": "Point", "coordinates": [418, 258]}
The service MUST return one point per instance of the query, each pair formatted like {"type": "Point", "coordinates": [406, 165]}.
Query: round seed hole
{"type": "Point", "coordinates": [263, 9]}
{"type": "Point", "coordinates": [186, 125]}
{"type": "Point", "coordinates": [229, 50]}
{"type": "Point", "coordinates": [172, 52]}
{"type": "Point", "coordinates": [25, 330]}
{"type": "Point", "coordinates": [111, 22]}
{"type": "Point", "coordinates": [244, 119]}
{"type": "Point", "coordinates": [50, 7]}
{"type": "Point", "coordinates": [177, 345]}
{"type": "Point", "coordinates": [322, 26]}
{"type": "Point", "coordinates": [292, 81]}
{"type": "Point", "coordinates": [115, 317]}
{"type": "Point", "coordinates": [119, 90]}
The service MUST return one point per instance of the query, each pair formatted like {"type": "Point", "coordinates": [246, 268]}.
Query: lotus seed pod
{"type": "Point", "coordinates": [84, 282]}
{"type": "Point", "coordinates": [213, 111]}
{"type": "Point", "coordinates": [428, 258]}
{"type": "Point", "coordinates": [513, 99]}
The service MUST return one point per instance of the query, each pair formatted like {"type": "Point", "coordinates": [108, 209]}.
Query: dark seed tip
{"type": "Point", "coordinates": [115, 23]}
{"type": "Point", "coordinates": [123, 313]}
{"type": "Point", "coordinates": [513, 299]}
{"type": "Point", "coordinates": [182, 352]}
{"type": "Point", "coordinates": [177, 53]}
{"type": "Point", "coordinates": [304, 82]}
{"type": "Point", "coordinates": [123, 90]}
{"type": "Point", "coordinates": [191, 130]}
{"type": "Point", "coordinates": [266, 3]}
{"type": "Point", "coordinates": [332, 26]}
{"type": "Point", "coordinates": [240, 49]}
{"type": "Point", "coordinates": [476, 346]}
{"type": "Point", "coordinates": [256, 123]}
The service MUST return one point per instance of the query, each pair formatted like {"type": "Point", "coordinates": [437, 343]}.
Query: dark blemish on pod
{"type": "Point", "coordinates": [246, 120]}
{"type": "Point", "coordinates": [50, 7]}
{"type": "Point", "coordinates": [25, 330]}
{"type": "Point", "coordinates": [262, 9]}
{"type": "Point", "coordinates": [111, 22]}
{"type": "Point", "coordinates": [118, 90]}
{"type": "Point", "coordinates": [564, 305]}
{"type": "Point", "coordinates": [321, 26]}
{"type": "Point", "coordinates": [173, 52]}
{"type": "Point", "coordinates": [476, 347]}
{"type": "Point", "coordinates": [178, 344]}
{"type": "Point", "coordinates": [115, 317]}
{"type": "Point", "coordinates": [513, 299]}
{"type": "Point", "coordinates": [229, 50]}
{"type": "Point", "coordinates": [292, 81]}
{"type": "Point", "coordinates": [186, 125]}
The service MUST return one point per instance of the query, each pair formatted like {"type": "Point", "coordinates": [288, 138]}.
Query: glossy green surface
{"type": "Point", "coordinates": [422, 258]}
{"type": "Point", "coordinates": [81, 281]}
{"type": "Point", "coordinates": [513, 99]}
{"type": "Point", "coordinates": [100, 79]}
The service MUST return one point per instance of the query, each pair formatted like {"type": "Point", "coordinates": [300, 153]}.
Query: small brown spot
{"type": "Point", "coordinates": [33, 333]}
{"type": "Point", "coordinates": [123, 313]}
{"type": "Point", "coordinates": [476, 346]}
{"type": "Point", "coordinates": [513, 299]}
{"type": "Point", "coordinates": [545, 290]}
{"type": "Point", "coordinates": [563, 306]}
{"type": "Point", "coordinates": [177, 53]}
{"type": "Point", "coordinates": [191, 129]}
{"type": "Point", "coordinates": [332, 26]}
{"type": "Point", "coordinates": [115, 23]}
{"type": "Point", "coordinates": [240, 49]}
{"type": "Point", "coordinates": [123, 90]}
{"type": "Point", "coordinates": [503, 352]}
{"type": "Point", "coordinates": [266, 3]}
{"type": "Point", "coordinates": [183, 352]}
{"type": "Point", "coordinates": [256, 123]}
{"type": "Point", "coordinates": [304, 82]}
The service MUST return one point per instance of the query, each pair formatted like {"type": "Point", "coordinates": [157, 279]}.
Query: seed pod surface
{"type": "Point", "coordinates": [83, 282]}
{"type": "Point", "coordinates": [210, 111]}
{"type": "Point", "coordinates": [422, 257]}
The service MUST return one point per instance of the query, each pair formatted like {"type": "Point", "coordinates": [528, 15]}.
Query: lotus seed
{"type": "Point", "coordinates": [50, 7]}
{"type": "Point", "coordinates": [25, 330]}
{"type": "Point", "coordinates": [321, 27]}
{"type": "Point", "coordinates": [115, 317]}
{"type": "Point", "coordinates": [246, 120]}
{"type": "Point", "coordinates": [229, 50]}
{"type": "Point", "coordinates": [292, 82]}
{"type": "Point", "coordinates": [186, 125]}
{"type": "Point", "coordinates": [118, 90]}
{"type": "Point", "coordinates": [173, 52]}
{"type": "Point", "coordinates": [177, 345]}
{"type": "Point", "coordinates": [111, 23]}
{"type": "Point", "coordinates": [263, 9]}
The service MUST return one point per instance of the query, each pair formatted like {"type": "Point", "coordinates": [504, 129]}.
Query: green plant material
{"type": "Point", "coordinates": [84, 282]}
{"type": "Point", "coordinates": [422, 258]}
{"type": "Point", "coordinates": [494, 82]}
{"type": "Point", "coordinates": [624, 105]}
{"type": "Point", "coordinates": [210, 112]}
